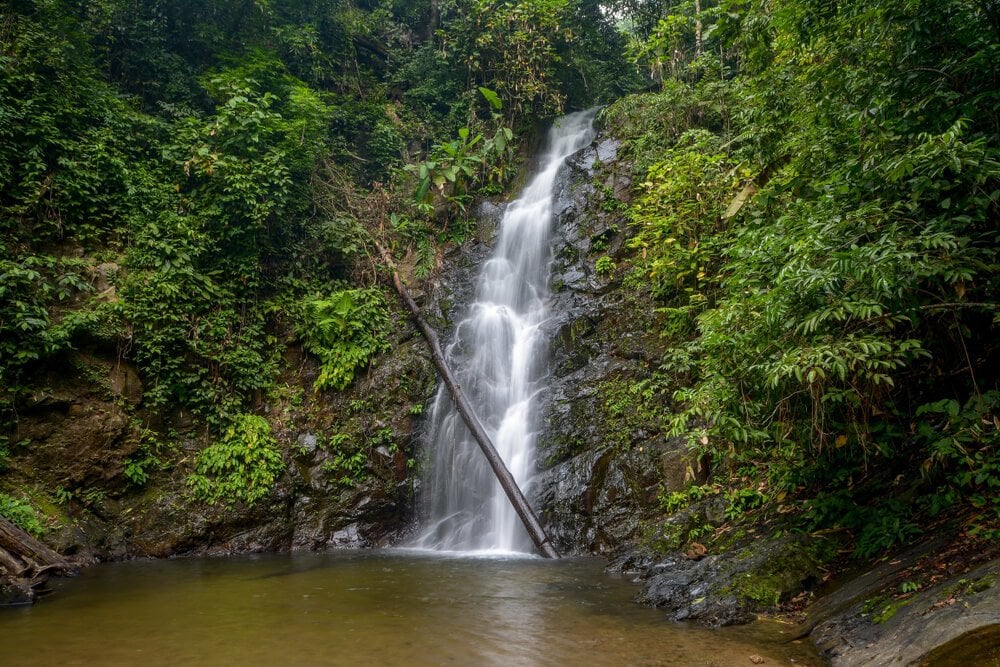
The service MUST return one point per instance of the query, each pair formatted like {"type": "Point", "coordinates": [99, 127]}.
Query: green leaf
{"type": "Point", "coordinates": [492, 98]}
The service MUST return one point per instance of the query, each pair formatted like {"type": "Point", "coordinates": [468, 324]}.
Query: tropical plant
{"type": "Point", "coordinates": [344, 330]}
{"type": "Point", "coordinates": [242, 467]}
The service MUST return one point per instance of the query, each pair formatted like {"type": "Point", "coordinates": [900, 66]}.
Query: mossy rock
{"type": "Point", "coordinates": [733, 586]}
{"type": "Point", "coordinates": [786, 568]}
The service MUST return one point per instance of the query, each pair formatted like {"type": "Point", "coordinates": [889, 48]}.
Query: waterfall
{"type": "Point", "coordinates": [498, 355]}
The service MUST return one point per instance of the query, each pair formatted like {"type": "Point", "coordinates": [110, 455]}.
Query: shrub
{"type": "Point", "coordinates": [20, 513]}
{"type": "Point", "coordinates": [242, 467]}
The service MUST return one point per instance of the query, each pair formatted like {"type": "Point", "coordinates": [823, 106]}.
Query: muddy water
{"type": "Point", "coordinates": [365, 608]}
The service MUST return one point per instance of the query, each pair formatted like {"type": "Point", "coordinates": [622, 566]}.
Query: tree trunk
{"type": "Point", "coordinates": [22, 545]}
{"type": "Point", "coordinates": [25, 563]}
{"type": "Point", "coordinates": [507, 481]}
{"type": "Point", "coordinates": [697, 29]}
{"type": "Point", "coordinates": [434, 22]}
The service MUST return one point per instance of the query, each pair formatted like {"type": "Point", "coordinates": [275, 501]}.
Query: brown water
{"type": "Point", "coordinates": [365, 608]}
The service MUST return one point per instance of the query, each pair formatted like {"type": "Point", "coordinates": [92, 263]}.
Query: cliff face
{"type": "Point", "coordinates": [602, 456]}
{"type": "Point", "coordinates": [603, 453]}
{"type": "Point", "coordinates": [607, 461]}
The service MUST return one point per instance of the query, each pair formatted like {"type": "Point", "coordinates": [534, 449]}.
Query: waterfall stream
{"type": "Point", "coordinates": [498, 354]}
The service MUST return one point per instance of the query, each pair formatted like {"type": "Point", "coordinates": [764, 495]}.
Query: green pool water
{"type": "Point", "coordinates": [366, 608]}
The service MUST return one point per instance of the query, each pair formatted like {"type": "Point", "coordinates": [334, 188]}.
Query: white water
{"type": "Point", "coordinates": [498, 356]}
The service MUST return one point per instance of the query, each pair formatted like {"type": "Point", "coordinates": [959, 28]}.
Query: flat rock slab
{"type": "Point", "coordinates": [959, 616]}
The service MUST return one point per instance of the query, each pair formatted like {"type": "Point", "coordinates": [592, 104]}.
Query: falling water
{"type": "Point", "coordinates": [498, 356]}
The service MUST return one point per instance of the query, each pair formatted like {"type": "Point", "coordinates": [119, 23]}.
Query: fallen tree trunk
{"type": "Point", "coordinates": [507, 481]}
{"type": "Point", "coordinates": [25, 563]}
{"type": "Point", "coordinates": [19, 543]}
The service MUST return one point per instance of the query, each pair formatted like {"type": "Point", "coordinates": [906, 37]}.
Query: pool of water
{"type": "Point", "coordinates": [366, 608]}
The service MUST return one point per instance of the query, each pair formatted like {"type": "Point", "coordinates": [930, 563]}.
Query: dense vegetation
{"type": "Point", "coordinates": [191, 185]}
{"type": "Point", "coordinates": [817, 216]}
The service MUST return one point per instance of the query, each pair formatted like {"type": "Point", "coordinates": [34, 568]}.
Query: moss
{"type": "Point", "coordinates": [47, 507]}
{"type": "Point", "coordinates": [564, 447]}
{"type": "Point", "coordinates": [446, 305]}
{"type": "Point", "coordinates": [95, 374]}
{"type": "Point", "coordinates": [981, 584]}
{"type": "Point", "coordinates": [780, 569]}
{"type": "Point", "coordinates": [626, 409]}
{"type": "Point", "coordinates": [765, 590]}
{"type": "Point", "coordinates": [969, 586]}
{"type": "Point", "coordinates": [664, 538]}
{"type": "Point", "coordinates": [881, 608]}
{"type": "Point", "coordinates": [672, 535]}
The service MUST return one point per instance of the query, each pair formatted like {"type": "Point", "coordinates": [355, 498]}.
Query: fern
{"type": "Point", "coordinates": [345, 331]}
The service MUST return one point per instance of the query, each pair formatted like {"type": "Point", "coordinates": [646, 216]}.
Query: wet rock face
{"type": "Point", "coordinates": [77, 426]}
{"type": "Point", "coordinates": [603, 451]}
{"type": "Point", "coordinates": [329, 506]}
{"type": "Point", "coordinates": [602, 461]}
{"type": "Point", "coordinates": [683, 588]}
{"type": "Point", "coordinates": [75, 437]}
{"type": "Point", "coordinates": [595, 501]}
{"type": "Point", "coordinates": [447, 297]}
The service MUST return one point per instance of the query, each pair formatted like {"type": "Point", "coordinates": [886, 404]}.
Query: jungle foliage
{"type": "Point", "coordinates": [817, 217]}
{"type": "Point", "coordinates": [190, 186]}
{"type": "Point", "coordinates": [241, 467]}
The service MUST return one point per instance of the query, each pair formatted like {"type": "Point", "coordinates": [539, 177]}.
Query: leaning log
{"type": "Point", "coordinates": [503, 475]}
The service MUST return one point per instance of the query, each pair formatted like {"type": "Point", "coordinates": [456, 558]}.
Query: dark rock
{"type": "Point", "coordinates": [348, 536]}
{"type": "Point", "coordinates": [15, 591]}
{"type": "Point", "coordinates": [307, 441]}
{"type": "Point", "coordinates": [601, 471]}
{"type": "Point", "coordinates": [731, 587]}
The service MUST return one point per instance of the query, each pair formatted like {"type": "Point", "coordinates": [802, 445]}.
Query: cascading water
{"type": "Point", "coordinates": [498, 357]}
